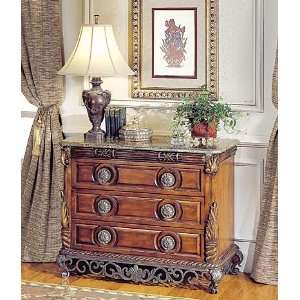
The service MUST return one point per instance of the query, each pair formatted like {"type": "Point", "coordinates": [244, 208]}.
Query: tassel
{"type": "Point", "coordinates": [37, 134]}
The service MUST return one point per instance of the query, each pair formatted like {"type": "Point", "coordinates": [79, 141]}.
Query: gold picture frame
{"type": "Point", "coordinates": [135, 43]}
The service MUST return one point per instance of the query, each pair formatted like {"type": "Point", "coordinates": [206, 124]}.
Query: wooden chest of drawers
{"type": "Point", "coordinates": [149, 213]}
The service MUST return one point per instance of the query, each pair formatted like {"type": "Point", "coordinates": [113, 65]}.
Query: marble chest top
{"type": "Point", "coordinates": [158, 143]}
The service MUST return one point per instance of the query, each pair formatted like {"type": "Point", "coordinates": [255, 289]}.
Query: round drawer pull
{"type": "Point", "coordinates": [167, 179]}
{"type": "Point", "coordinates": [167, 243]}
{"type": "Point", "coordinates": [104, 175]}
{"type": "Point", "coordinates": [104, 206]}
{"type": "Point", "coordinates": [167, 211]}
{"type": "Point", "coordinates": [104, 237]}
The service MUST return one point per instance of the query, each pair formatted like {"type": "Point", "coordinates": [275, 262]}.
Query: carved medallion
{"type": "Point", "coordinates": [104, 153]}
{"type": "Point", "coordinates": [169, 156]}
{"type": "Point", "coordinates": [104, 206]}
{"type": "Point", "coordinates": [168, 211]}
{"type": "Point", "coordinates": [104, 237]}
{"type": "Point", "coordinates": [167, 179]}
{"type": "Point", "coordinates": [212, 164]}
{"type": "Point", "coordinates": [167, 243]}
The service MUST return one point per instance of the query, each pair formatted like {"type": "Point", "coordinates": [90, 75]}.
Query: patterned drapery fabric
{"type": "Point", "coordinates": [42, 170]}
{"type": "Point", "coordinates": [265, 268]}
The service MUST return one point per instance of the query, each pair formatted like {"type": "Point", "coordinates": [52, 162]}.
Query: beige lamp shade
{"type": "Point", "coordinates": [96, 54]}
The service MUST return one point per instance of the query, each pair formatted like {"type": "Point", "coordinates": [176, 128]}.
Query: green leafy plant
{"type": "Point", "coordinates": [205, 108]}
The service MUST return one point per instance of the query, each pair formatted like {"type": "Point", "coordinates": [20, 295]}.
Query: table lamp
{"type": "Point", "coordinates": [97, 55]}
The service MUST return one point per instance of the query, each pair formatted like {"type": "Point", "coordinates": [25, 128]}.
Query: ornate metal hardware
{"type": "Point", "coordinates": [104, 206]}
{"type": "Point", "coordinates": [167, 179]}
{"type": "Point", "coordinates": [105, 174]}
{"type": "Point", "coordinates": [104, 237]}
{"type": "Point", "coordinates": [167, 243]}
{"type": "Point", "coordinates": [169, 156]}
{"type": "Point", "coordinates": [151, 270]}
{"type": "Point", "coordinates": [104, 153]}
{"type": "Point", "coordinates": [167, 211]}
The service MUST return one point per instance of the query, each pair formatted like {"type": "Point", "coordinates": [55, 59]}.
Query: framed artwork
{"type": "Point", "coordinates": [173, 47]}
{"type": "Point", "coordinates": [174, 43]}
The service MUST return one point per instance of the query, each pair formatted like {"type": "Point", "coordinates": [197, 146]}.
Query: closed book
{"type": "Point", "coordinates": [123, 116]}
{"type": "Point", "coordinates": [112, 123]}
{"type": "Point", "coordinates": [117, 121]}
{"type": "Point", "coordinates": [107, 122]}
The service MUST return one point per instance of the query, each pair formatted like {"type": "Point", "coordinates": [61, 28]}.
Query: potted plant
{"type": "Point", "coordinates": [204, 114]}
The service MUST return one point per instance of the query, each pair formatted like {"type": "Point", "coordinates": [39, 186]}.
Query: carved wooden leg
{"type": "Point", "coordinates": [215, 277]}
{"type": "Point", "coordinates": [236, 261]}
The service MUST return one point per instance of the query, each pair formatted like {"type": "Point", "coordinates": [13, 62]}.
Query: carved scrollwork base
{"type": "Point", "coordinates": [235, 262]}
{"type": "Point", "coordinates": [147, 270]}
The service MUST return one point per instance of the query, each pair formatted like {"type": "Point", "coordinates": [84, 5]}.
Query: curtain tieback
{"type": "Point", "coordinates": [37, 133]}
{"type": "Point", "coordinates": [38, 126]}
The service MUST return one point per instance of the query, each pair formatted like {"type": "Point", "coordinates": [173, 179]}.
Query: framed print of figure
{"type": "Point", "coordinates": [174, 43]}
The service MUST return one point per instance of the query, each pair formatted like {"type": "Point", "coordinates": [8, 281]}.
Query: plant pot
{"type": "Point", "coordinates": [204, 130]}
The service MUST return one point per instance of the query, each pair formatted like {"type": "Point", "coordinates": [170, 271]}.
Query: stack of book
{"type": "Point", "coordinates": [115, 119]}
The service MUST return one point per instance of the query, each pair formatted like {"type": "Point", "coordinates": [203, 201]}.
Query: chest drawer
{"type": "Point", "coordinates": [179, 211]}
{"type": "Point", "coordinates": [137, 240]}
{"type": "Point", "coordinates": [137, 177]}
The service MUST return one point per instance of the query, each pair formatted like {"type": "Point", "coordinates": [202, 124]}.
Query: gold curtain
{"type": "Point", "coordinates": [42, 171]}
{"type": "Point", "coordinates": [265, 268]}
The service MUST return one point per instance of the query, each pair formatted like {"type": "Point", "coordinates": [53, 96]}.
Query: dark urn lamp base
{"type": "Point", "coordinates": [98, 137]}
{"type": "Point", "coordinates": [96, 100]}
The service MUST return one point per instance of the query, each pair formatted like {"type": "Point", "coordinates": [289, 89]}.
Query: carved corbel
{"type": "Point", "coordinates": [211, 234]}
{"type": "Point", "coordinates": [66, 155]}
{"type": "Point", "coordinates": [65, 223]}
{"type": "Point", "coordinates": [212, 164]}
